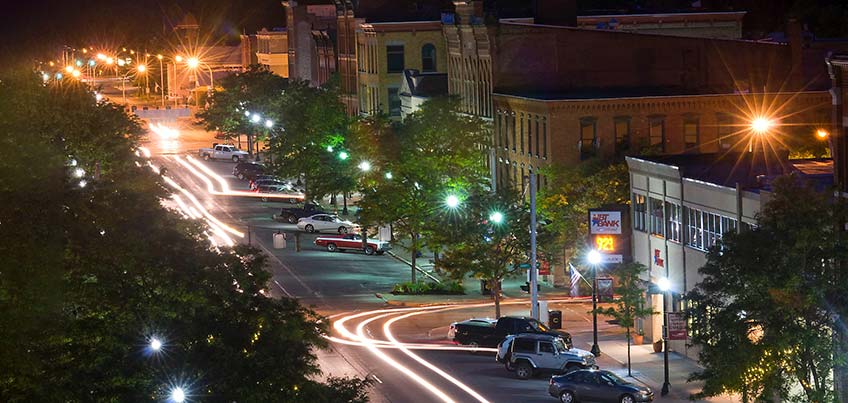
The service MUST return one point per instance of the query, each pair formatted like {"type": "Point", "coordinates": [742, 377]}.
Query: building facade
{"type": "Point", "coordinates": [533, 132]}
{"type": "Point", "coordinates": [385, 51]}
{"type": "Point", "coordinates": [311, 33]}
{"type": "Point", "coordinates": [719, 25]}
{"type": "Point", "coordinates": [272, 51]}
{"type": "Point", "coordinates": [682, 206]}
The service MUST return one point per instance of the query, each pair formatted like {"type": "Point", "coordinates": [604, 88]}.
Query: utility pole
{"type": "Point", "coordinates": [534, 290]}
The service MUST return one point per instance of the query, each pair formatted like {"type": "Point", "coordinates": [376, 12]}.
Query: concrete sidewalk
{"type": "Point", "coordinates": [648, 369]}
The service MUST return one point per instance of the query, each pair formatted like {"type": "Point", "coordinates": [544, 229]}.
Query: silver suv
{"type": "Point", "coordinates": [529, 354]}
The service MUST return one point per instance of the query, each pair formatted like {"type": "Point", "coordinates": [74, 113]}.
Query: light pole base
{"type": "Point", "coordinates": [596, 351]}
{"type": "Point", "coordinates": [665, 388]}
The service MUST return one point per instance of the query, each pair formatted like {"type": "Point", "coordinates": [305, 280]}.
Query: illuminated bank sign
{"type": "Point", "coordinates": [608, 234]}
{"type": "Point", "coordinates": [605, 222]}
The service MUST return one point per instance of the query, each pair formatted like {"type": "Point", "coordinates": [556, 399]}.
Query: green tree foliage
{"type": "Point", "coordinates": [434, 152]}
{"type": "Point", "coordinates": [630, 304]}
{"type": "Point", "coordinates": [255, 91]}
{"type": "Point", "coordinates": [771, 296]}
{"type": "Point", "coordinates": [313, 120]}
{"type": "Point", "coordinates": [487, 249]}
{"type": "Point", "coordinates": [91, 273]}
{"type": "Point", "coordinates": [571, 192]}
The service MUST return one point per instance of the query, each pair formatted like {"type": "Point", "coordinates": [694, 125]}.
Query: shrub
{"type": "Point", "coordinates": [421, 288]}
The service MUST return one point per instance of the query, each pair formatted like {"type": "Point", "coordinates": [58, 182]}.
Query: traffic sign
{"type": "Point", "coordinates": [524, 265]}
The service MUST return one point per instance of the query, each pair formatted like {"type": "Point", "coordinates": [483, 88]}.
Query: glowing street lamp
{"type": "Point", "coordinates": [268, 123]}
{"type": "Point", "coordinates": [389, 175]}
{"type": "Point", "coordinates": [343, 155]}
{"type": "Point", "coordinates": [822, 134]}
{"type": "Point", "coordinates": [178, 58]}
{"type": "Point", "coordinates": [761, 125]}
{"type": "Point", "coordinates": [255, 118]}
{"type": "Point", "coordinates": [192, 62]}
{"type": "Point", "coordinates": [595, 259]}
{"type": "Point", "coordinates": [69, 69]}
{"type": "Point", "coordinates": [178, 395]}
{"type": "Point", "coordinates": [76, 73]}
{"type": "Point", "coordinates": [365, 166]}
{"type": "Point", "coordinates": [155, 344]}
{"type": "Point", "coordinates": [496, 217]}
{"type": "Point", "coordinates": [452, 201]}
{"type": "Point", "coordinates": [141, 68]}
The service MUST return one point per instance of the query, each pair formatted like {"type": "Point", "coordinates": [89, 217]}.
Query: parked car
{"type": "Point", "coordinates": [248, 170]}
{"type": "Point", "coordinates": [292, 214]}
{"type": "Point", "coordinates": [475, 332]}
{"type": "Point", "coordinates": [326, 222]}
{"type": "Point", "coordinates": [352, 242]}
{"type": "Point", "coordinates": [530, 353]}
{"type": "Point", "coordinates": [597, 386]}
{"type": "Point", "coordinates": [487, 322]}
{"type": "Point", "coordinates": [273, 181]}
{"type": "Point", "coordinates": [223, 152]}
{"type": "Point", "coordinates": [284, 191]}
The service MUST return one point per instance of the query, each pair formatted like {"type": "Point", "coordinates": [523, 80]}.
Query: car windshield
{"type": "Point", "coordinates": [560, 345]}
{"type": "Point", "coordinates": [615, 378]}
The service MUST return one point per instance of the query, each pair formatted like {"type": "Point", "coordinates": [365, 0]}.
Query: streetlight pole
{"type": "Point", "coordinates": [665, 286]}
{"type": "Point", "coordinates": [594, 259]}
{"type": "Point", "coordinates": [161, 79]}
{"type": "Point", "coordinates": [534, 291]}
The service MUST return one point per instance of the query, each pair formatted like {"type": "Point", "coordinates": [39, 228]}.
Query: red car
{"type": "Point", "coordinates": [353, 242]}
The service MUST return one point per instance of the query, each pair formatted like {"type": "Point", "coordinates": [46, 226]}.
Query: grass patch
{"type": "Point", "coordinates": [432, 288]}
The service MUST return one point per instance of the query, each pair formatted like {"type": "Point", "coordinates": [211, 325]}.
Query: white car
{"type": "Point", "coordinates": [326, 222]}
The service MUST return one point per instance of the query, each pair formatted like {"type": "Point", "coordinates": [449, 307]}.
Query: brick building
{"type": "Point", "coordinates": [385, 50]}
{"type": "Point", "coordinates": [272, 51]}
{"type": "Point", "coordinates": [311, 37]}
{"type": "Point", "coordinates": [720, 25]}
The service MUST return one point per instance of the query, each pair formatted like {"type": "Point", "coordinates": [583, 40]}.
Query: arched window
{"type": "Point", "coordinates": [428, 58]}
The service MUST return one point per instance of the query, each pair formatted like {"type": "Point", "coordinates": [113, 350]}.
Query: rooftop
{"type": "Point", "coordinates": [752, 171]}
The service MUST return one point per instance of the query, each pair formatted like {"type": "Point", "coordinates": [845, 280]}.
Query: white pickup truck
{"type": "Point", "coordinates": [222, 152]}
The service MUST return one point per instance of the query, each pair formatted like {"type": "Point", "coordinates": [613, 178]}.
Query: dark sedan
{"type": "Point", "coordinates": [589, 385]}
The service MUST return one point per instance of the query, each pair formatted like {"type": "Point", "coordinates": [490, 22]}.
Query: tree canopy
{"type": "Point", "coordinates": [771, 298]}
{"type": "Point", "coordinates": [94, 267]}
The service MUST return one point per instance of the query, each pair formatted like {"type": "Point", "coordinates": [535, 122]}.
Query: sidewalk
{"type": "Point", "coordinates": [648, 369]}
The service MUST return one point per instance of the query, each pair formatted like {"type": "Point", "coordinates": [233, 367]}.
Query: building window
{"type": "Point", "coordinates": [622, 134]}
{"type": "Point", "coordinates": [588, 137]}
{"type": "Point", "coordinates": [512, 127]}
{"type": "Point", "coordinates": [657, 217]}
{"type": "Point", "coordinates": [640, 209]}
{"type": "Point", "coordinates": [394, 58]}
{"type": "Point", "coordinates": [428, 58]}
{"type": "Point", "coordinates": [690, 132]}
{"type": "Point", "coordinates": [537, 136]}
{"type": "Point", "coordinates": [656, 133]}
{"type": "Point", "coordinates": [394, 102]}
{"type": "Point", "coordinates": [674, 222]}
{"type": "Point", "coordinates": [694, 228]}
{"type": "Point", "coordinates": [530, 135]}
{"type": "Point", "coordinates": [521, 138]}
{"type": "Point", "coordinates": [725, 131]}
{"type": "Point", "coordinates": [706, 229]}
{"type": "Point", "coordinates": [544, 137]}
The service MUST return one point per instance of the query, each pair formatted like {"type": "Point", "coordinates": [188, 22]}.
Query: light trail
{"type": "Point", "coordinates": [195, 167]}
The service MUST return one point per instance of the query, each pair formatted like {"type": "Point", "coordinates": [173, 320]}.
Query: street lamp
{"type": "Point", "coordinates": [161, 79]}
{"type": "Point", "coordinates": [665, 286]}
{"type": "Point", "coordinates": [178, 395]}
{"type": "Point", "coordinates": [760, 126]}
{"type": "Point", "coordinates": [452, 201]}
{"type": "Point", "coordinates": [389, 175]}
{"type": "Point", "coordinates": [496, 217]}
{"type": "Point", "coordinates": [594, 258]}
{"type": "Point", "coordinates": [269, 123]}
{"type": "Point", "coordinates": [343, 155]}
{"type": "Point", "coordinates": [822, 134]}
{"type": "Point", "coordinates": [155, 344]}
{"type": "Point", "coordinates": [365, 166]}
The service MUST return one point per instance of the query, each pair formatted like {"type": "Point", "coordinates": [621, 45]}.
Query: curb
{"type": "Point", "coordinates": [409, 263]}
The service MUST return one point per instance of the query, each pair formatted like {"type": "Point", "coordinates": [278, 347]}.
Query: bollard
{"type": "Point", "coordinates": [297, 241]}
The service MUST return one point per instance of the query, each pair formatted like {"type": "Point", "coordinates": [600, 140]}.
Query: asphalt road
{"type": "Point", "coordinates": [340, 284]}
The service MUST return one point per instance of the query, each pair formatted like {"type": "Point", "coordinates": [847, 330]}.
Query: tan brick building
{"type": "Point", "coordinates": [385, 50]}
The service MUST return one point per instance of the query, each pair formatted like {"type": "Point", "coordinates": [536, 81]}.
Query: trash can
{"type": "Point", "coordinates": [279, 240]}
{"type": "Point", "coordinates": [555, 319]}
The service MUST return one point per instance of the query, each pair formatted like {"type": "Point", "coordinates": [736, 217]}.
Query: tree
{"type": "Point", "coordinates": [315, 127]}
{"type": "Point", "coordinates": [774, 313]}
{"type": "Point", "coordinates": [488, 238]}
{"type": "Point", "coordinates": [571, 192]}
{"type": "Point", "coordinates": [255, 91]}
{"type": "Point", "coordinates": [631, 300]}
{"type": "Point", "coordinates": [433, 153]}
{"type": "Point", "coordinates": [91, 273]}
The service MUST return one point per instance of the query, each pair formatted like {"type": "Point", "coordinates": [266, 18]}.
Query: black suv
{"type": "Point", "coordinates": [248, 170]}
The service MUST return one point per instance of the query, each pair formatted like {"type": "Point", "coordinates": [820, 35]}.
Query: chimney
{"type": "Point", "coordinates": [556, 12]}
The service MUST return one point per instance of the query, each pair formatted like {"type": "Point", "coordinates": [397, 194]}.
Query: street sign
{"type": "Point", "coordinates": [524, 265]}
{"type": "Point", "coordinates": [676, 325]}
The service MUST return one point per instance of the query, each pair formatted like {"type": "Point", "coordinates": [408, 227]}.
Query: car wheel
{"type": "Point", "coordinates": [235, 158]}
{"type": "Point", "coordinates": [508, 365]}
{"type": "Point", "coordinates": [369, 250]}
{"type": "Point", "coordinates": [567, 397]}
{"type": "Point", "coordinates": [627, 399]}
{"type": "Point", "coordinates": [310, 228]}
{"type": "Point", "coordinates": [342, 230]}
{"type": "Point", "coordinates": [291, 219]}
{"type": "Point", "coordinates": [523, 370]}
{"type": "Point", "coordinates": [381, 252]}
{"type": "Point", "coordinates": [332, 247]}
{"type": "Point", "coordinates": [206, 157]}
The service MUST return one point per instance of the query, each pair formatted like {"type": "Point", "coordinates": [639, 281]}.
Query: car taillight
{"type": "Point", "coordinates": [552, 380]}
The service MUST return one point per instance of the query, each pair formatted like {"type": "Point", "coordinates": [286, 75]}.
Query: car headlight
{"type": "Point", "coordinates": [644, 393]}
